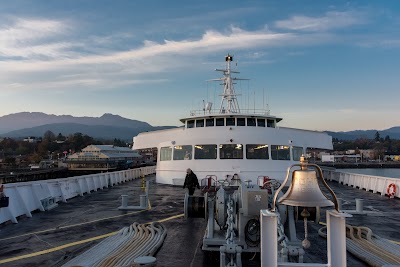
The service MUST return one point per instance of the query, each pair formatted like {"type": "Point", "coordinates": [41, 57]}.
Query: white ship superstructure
{"type": "Point", "coordinates": [229, 142]}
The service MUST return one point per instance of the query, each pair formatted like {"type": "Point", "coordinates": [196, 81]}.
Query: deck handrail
{"type": "Point", "coordinates": [376, 184]}
{"type": "Point", "coordinates": [25, 197]}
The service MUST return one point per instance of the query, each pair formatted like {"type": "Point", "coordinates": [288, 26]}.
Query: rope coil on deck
{"type": "Point", "coordinates": [368, 247]}
{"type": "Point", "coordinates": [124, 247]}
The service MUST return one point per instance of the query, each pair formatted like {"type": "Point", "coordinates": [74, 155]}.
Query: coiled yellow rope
{"type": "Point", "coordinates": [124, 247]}
{"type": "Point", "coordinates": [370, 248]}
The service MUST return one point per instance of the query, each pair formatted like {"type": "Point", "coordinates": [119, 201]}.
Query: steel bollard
{"type": "Point", "coordinates": [359, 204]}
{"type": "Point", "coordinates": [124, 201]}
{"type": "Point", "coordinates": [143, 201]}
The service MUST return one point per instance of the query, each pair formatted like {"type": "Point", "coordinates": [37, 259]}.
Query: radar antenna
{"type": "Point", "coordinates": [229, 95]}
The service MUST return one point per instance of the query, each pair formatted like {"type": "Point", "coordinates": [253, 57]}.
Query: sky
{"type": "Point", "coordinates": [320, 65]}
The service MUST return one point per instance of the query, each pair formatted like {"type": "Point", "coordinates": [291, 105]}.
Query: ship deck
{"type": "Point", "coordinates": [54, 237]}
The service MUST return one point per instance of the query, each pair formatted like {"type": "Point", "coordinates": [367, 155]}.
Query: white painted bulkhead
{"type": "Point", "coordinates": [173, 171]}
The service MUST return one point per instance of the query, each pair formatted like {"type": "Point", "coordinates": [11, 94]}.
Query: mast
{"type": "Point", "coordinates": [229, 102]}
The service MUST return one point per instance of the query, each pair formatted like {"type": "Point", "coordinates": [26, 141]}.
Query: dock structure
{"type": "Point", "coordinates": [33, 175]}
{"type": "Point", "coordinates": [54, 237]}
{"type": "Point", "coordinates": [103, 158]}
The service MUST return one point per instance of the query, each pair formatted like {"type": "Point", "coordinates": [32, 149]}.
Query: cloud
{"type": "Point", "coordinates": [42, 54]}
{"type": "Point", "coordinates": [211, 40]}
{"type": "Point", "coordinates": [197, 22]}
{"type": "Point", "coordinates": [331, 20]}
{"type": "Point", "coordinates": [25, 38]}
{"type": "Point", "coordinates": [151, 57]}
{"type": "Point", "coordinates": [28, 30]}
{"type": "Point", "coordinates": [385, 43]}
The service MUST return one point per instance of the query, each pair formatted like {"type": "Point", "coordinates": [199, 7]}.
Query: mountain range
{"type": "Point", "coordinates": [393, 133]}
{"type": "Point", "coordinates": [109, 126]}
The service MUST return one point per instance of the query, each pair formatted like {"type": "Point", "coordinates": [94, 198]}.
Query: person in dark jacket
{"type": "Point", "coordinates": [191, 181]}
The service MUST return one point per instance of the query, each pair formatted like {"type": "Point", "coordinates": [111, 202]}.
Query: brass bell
{"type": "Point", "coordinates": [304, 191]}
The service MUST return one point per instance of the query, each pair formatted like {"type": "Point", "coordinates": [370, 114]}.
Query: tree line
{"type": "Point", "coordinates": [50, 146]}
{"type": "Point", "coordinates": [378, 144]}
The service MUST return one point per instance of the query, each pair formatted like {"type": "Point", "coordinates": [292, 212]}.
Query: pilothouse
{"type": "Point", "coordinates": [229, 142]}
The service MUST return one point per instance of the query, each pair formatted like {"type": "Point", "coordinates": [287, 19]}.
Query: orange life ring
{"type": "Point", "coordinates": [391, 190]}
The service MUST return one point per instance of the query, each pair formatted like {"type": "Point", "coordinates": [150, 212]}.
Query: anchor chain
{"type": "Point", "coordinates": [230, 252]}
{"type": "Point", "coordinates": [287, 249]}
{"type": "Point", "coordinates": [281, 233]}
{"type": "Point", "coordinates": [230, 234]}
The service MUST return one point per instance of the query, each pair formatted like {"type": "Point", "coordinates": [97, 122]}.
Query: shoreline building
{"type": "Point", "coordinates": [104, 158]}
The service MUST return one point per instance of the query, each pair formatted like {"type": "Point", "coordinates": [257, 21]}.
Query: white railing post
{"type": "Point", "coordinates": [336, 231]}
{"type": "Point", "coordinates": [269, 238]}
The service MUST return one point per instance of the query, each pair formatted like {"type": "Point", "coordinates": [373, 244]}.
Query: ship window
{"type": "Point", "coordinates": [182, 152]}
{"type": "Point", "coordinates": [200, 123]}
{"type": "Point", "coordinates": [220, 121]}
{"type": "Point", "coordinates": [231, 151]}
{"type": "Point", "coordinates": [230, 121]}
{"type": "Point", "coordinates": [261, 122]}
{"type": "Point", "coordinates": [241, 121]}
{"type": "Point", "coordinates": [280, 152]}
{"type": "Point", "coordinates": [205, 151]}
{"type": "Point", "coordinates": [190, 124]}
{"type": "Point", "coordinates": [165, 153]}
{"type": "Point", "coordinates": [251, 122]}
{"type": "Point", "coordinates": [210, 122]}
{"type": "Point", "coordinates": [257, 152]}
{"type": "Point", "coordinates": [271, 123]}
{"type": "Point", "coordinates": [296, 153]}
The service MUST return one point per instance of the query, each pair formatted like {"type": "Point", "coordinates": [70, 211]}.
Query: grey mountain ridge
{"type": "Point", "coordinates": [109, 126]}
{"type": "Point", "coordinates": [24, 120]}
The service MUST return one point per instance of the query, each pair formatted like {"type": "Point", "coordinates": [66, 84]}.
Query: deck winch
{"type": "Point", "coordinates": [233, 213]}
{"type": "Point", "coordinates": [233, 224]}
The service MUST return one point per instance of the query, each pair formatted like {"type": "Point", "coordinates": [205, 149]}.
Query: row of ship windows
{"type": "Point", "coordinates": [231, 151]}
{"type": "Point", "coordinates": [211, 122]}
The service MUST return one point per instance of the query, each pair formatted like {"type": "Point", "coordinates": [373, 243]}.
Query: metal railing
{"type": "Point", "coordinates": [218, 112]}
{"type": "Point", "coordinates": [376, 184]}
{"type": "Point", "coordinates": [26, 197]}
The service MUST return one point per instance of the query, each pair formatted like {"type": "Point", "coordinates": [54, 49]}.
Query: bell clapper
{"type": "Point", "coordinates": [305, 243]}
